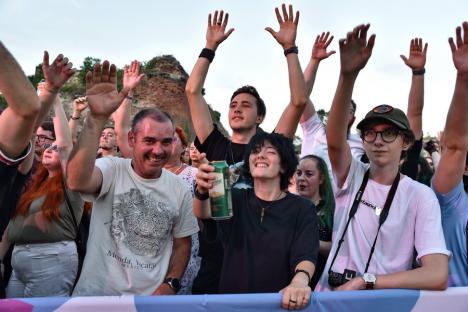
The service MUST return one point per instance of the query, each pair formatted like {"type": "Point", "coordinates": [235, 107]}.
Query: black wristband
{"type": "Point", "coordinates": [305, 272]}
{"type": "Point", "coordinates": [199, 195]}
{"type": "Point", "coordinates": [291, 50]}
{"type": "Point", "coordinates": [208, 54]}
{"type": "Point", "coordinates": [75, 118]}
{"type": "Point", "coordinates": [418, 72]}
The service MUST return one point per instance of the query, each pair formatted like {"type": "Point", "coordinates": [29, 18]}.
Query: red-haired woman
{"type": "Point", "coordinates": [45, 259]}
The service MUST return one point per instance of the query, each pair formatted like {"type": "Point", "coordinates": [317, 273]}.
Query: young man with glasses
{"type": "Point", "coordinates": [381, 216]}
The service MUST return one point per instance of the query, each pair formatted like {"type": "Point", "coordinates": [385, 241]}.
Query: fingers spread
{"type": "Point", "coordinates": [46, 59]}
{"type": "Point", "coordinates": [105, 71]}
{"type": "Point", "coordinates": [112, 73]}
{"type": "Point", "coordinates": [97, 73]}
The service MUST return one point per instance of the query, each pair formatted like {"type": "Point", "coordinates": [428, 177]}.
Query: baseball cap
{"type": "Point", "coordinates": [386, 113]}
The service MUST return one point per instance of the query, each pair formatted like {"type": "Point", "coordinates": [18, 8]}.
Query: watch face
{"type": "Point", "coordinates": [369, 278]}
{"type": "Point", "coordinates": [175, 283]}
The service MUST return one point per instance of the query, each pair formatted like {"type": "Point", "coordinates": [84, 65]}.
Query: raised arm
{"type": "Point", "coordinates": [63, 136]}
{"type": "Point", "coordinates": [455, 140]}
{"type": "Point", "coordinates": [122, 116]}
{"type": "Point", "coordinates": [319, 53]}
{"type": "Point", "coordinates": [79, 105]}
{"type": "Point", "coordinates": [416, 61]}
{"type": "Point", "coordinates": [17, 120]}
{"type": "Point", "coordinates": [286, 37]}
{"type": "Point", "coordinates": [103, 99]}
{"type": "Point", "coordinates": [56, 75]}
{"type": "Point", "coordinates": [215, 34]}
{"type": "Point", "coordinates": [355, 51]}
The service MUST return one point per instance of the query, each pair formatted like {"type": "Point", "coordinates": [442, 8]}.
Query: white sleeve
{"type": "Point", "coordinates": [108, 167]}
{"type": "Point", "coordinates": [429, 237]}
{"type": "Point", "coordinates": [186, 223]}
{"type": "Point", "coordinates": [313, 132]}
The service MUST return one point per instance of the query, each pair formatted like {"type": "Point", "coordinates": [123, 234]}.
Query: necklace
{"type": "Point", "coordinates": [262, 213]}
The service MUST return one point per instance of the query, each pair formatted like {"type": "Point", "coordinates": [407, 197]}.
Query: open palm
{"type": "Point", "coordinates": [101, 90]}
{"type": "Point", "coordinates": [460, 49]}
{"type": "Point", "coordinates": [132, 76]}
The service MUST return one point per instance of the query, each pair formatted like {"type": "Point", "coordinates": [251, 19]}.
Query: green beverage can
{"type": "Point", "coordinates": [220, 193]}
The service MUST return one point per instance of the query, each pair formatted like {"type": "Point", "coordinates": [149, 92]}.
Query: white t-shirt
{"type": "Point", "coordinates": [132, 225]}
{"type": "Point", "coordinates": [315, 141]}
{"type": "Point", "coordinates": [413, 222]}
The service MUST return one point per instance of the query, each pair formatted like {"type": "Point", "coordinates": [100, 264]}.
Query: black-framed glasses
{"type": "Point", "coordinates": [43, 138]}
{"type": "Point", "coordinates": [382, 109]}
{"type": "Point", "coordinates": [53, 147]}
{"type": "Point", "coordinates": [388, 135]}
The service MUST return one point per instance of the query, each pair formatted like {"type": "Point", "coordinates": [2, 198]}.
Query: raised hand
{"type": "Point", "coordinates": [101, 90]}
{"type": "Point", "coordinates": [216, 30]}
{"type": "Point", "coordinates": [286, 36]}
{"type": "Point", "coordinates": [417, 54]}
{"type": "Point", "coordinates": [319, 50]}
{"type": "Point", "coordinates": [356, 50]}
{"type": "Point", "coordinates": [80, 104]}
{"type": "Point", "coordinates": [57, 73]}
{"type": "Point", "coordinates": [132, 76]}
{"type": "Point", "coordinates": [460, 49]}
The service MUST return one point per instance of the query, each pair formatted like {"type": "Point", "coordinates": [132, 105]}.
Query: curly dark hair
{"type": "Point", "coordinates": [285, 149]}
{"type": "Point", "coordinates": [261, 108]}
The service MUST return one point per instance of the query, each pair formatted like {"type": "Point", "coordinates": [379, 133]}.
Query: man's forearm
{"type": "Point", "coordinates": [337, 118]}
{"type": "Point", "coordinates": [456, 127]}
{"type": "Point", "coordinates": [416, 104]}
{"type": "Point", "coordinates": [82, 159]}
{"type": "Point", "coordinates": [296, 81]}
{"type": "Point", "coordinates": [16, 88]}
{"type": "Point", "coordinates": [179, 257]}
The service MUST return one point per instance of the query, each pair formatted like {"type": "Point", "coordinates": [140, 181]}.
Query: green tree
{"type": "Point", "coordinates": [38, 75]}
{"type": "Point", "coordinates": [88, 65]}
{"type": "Point", "coordinates": [3, 102]}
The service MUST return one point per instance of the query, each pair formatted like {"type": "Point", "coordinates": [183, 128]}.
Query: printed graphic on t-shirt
{"type": "Point", "coordinates": [376, 208]}
{"type": "Point", "coordinates": [141, 223]}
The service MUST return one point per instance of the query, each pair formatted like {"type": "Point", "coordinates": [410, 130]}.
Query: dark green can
{"type": "Point", "coordinates": [220, 194]}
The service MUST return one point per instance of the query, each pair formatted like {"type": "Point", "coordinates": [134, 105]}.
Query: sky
{"type": "Point", "coordinates": [121, 31]}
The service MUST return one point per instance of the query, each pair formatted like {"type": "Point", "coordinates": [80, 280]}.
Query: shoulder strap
{"type": "Point", "coordinates": [352, 212]}
{"type": "Point", "coordinates": [69, 206]}
{"type": "Point", "coordinates": [384, 214]}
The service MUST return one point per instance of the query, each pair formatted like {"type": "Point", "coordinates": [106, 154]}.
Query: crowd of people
{"type": "Point", "coordinates": [124, 209]}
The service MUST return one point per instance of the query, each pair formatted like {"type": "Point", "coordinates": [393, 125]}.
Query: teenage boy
{"type": "Point", "coordinates": [381, 216]}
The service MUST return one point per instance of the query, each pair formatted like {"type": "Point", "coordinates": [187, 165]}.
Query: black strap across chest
{"type": "Point", "coordinates": [383, 215]}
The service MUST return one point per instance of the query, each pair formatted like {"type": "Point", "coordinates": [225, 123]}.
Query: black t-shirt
{"type": "Point", "coordinates": [262, 256]}
{"type": "Point", "coordinates": [217, 147]}
{"type": "Point", "coordinates": [11, 185]}
{"type": "Point", "coordinates": [410, 165]}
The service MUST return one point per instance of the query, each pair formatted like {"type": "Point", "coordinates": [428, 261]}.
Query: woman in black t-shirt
{"type": "Point", "coordinates": [271, 242]}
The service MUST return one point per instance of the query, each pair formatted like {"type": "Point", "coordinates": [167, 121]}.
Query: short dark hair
{"type": "Point", "coordinates": [285, 148]}
{"type": "Point", "coordinates": [261, 108]}
{"type": "Point", "coordinates": [48, 126]}
{"type": "Point", "coordinates": [154, 113]}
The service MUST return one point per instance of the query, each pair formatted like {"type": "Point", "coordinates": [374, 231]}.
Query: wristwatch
{"type": "Point", "coordinates": [370, 280]}
{"type": "Point", "coordinates": [173, 282]}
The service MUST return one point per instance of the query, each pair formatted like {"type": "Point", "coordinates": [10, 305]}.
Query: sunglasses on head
{"type": "Point", "coordinates": [53, 147]}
